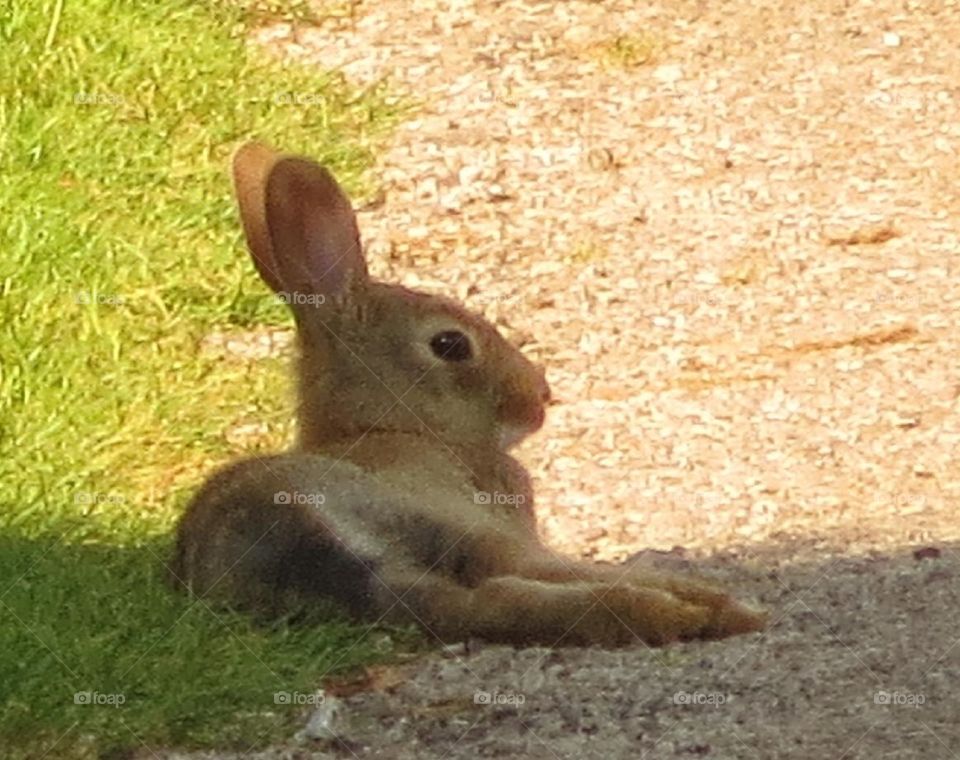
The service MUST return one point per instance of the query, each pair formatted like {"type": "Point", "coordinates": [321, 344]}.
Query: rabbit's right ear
{"type": "Point", "coordinates": [251, 167]}
{"type": "Point", "coordinates": [300, 227]}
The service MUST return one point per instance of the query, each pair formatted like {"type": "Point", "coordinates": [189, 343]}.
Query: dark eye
{"type": "Point", "coordinates": [451, 345]}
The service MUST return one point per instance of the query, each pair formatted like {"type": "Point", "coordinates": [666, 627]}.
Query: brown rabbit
{"type": "Point", "coordinates": [400, 501]}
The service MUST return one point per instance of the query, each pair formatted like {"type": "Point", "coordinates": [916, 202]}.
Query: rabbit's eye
{"type": "Point", "coordinates": [451, 345]}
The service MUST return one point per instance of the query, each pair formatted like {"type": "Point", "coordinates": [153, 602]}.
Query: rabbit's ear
{"type": "Point", "coordinates": [313, 230]}
{"type": "Point", "coordinates": [251, 167]}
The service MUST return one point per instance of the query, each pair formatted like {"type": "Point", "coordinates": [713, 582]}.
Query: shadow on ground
{"type": "Point", "coordinates": [861, 661]}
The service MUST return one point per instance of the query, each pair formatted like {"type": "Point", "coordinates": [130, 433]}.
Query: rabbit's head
{"type": "Point", "coordinates": [375, 356]}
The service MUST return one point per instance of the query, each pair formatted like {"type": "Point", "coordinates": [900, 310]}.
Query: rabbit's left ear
{"type": "Point", "coordinates": [312, 228]}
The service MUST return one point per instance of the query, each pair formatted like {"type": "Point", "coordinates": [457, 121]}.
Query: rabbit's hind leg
{"type": "Point", "coordinates": [241, 544]}
{"type": "Point", "coordinates": [728, 616]}
{"type": "Point", "coordinates": [521, 611]}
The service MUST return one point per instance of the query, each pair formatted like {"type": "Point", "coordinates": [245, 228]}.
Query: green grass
{"type": "Point", "coordinates": [119, 250]}
{"type": "Point", "coordinates": [629, 51]}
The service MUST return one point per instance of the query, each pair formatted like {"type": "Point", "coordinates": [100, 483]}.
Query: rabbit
{"type": "Point", "coordinates": [399, 502]}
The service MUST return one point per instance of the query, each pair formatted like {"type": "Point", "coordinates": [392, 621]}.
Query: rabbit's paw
{"type": "Point", "coordinates": [727, 615]}
{"type": "Point", "coordinates": [656, 617]}
{"type": "Point", "coordinates": [732, 618]}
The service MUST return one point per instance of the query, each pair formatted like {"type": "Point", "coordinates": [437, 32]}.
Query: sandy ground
{"type": "Point", "coordinates": [733, 248]}
{"type": "Point", "coordinates": [730, 233]}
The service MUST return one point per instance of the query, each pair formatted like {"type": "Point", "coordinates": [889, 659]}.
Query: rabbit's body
{"type": "Point", "coordinates": [400, 500]}
{"type": "Point", "coordinates": [256, 511]}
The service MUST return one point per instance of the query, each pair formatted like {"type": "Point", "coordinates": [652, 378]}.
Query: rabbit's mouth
{"type": "Point", "coordinates": [511, 435]}
{"type": "Point", "coordinates": [519, 416]}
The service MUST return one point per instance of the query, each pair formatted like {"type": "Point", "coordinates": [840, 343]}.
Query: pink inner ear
{"type": "Point", "coordinates": [313, 228]}
{"type": "Point", "coordinates": [335, 234]}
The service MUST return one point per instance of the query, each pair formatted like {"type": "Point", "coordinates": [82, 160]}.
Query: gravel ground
{"type": "Point", "coordinates": [730, 233]}
{"type": "Point", "coordinates": [861, 661]}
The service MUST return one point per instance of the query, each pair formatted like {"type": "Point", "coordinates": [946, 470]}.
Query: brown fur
{"type": "Point", "coordinates": [397, 447]}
